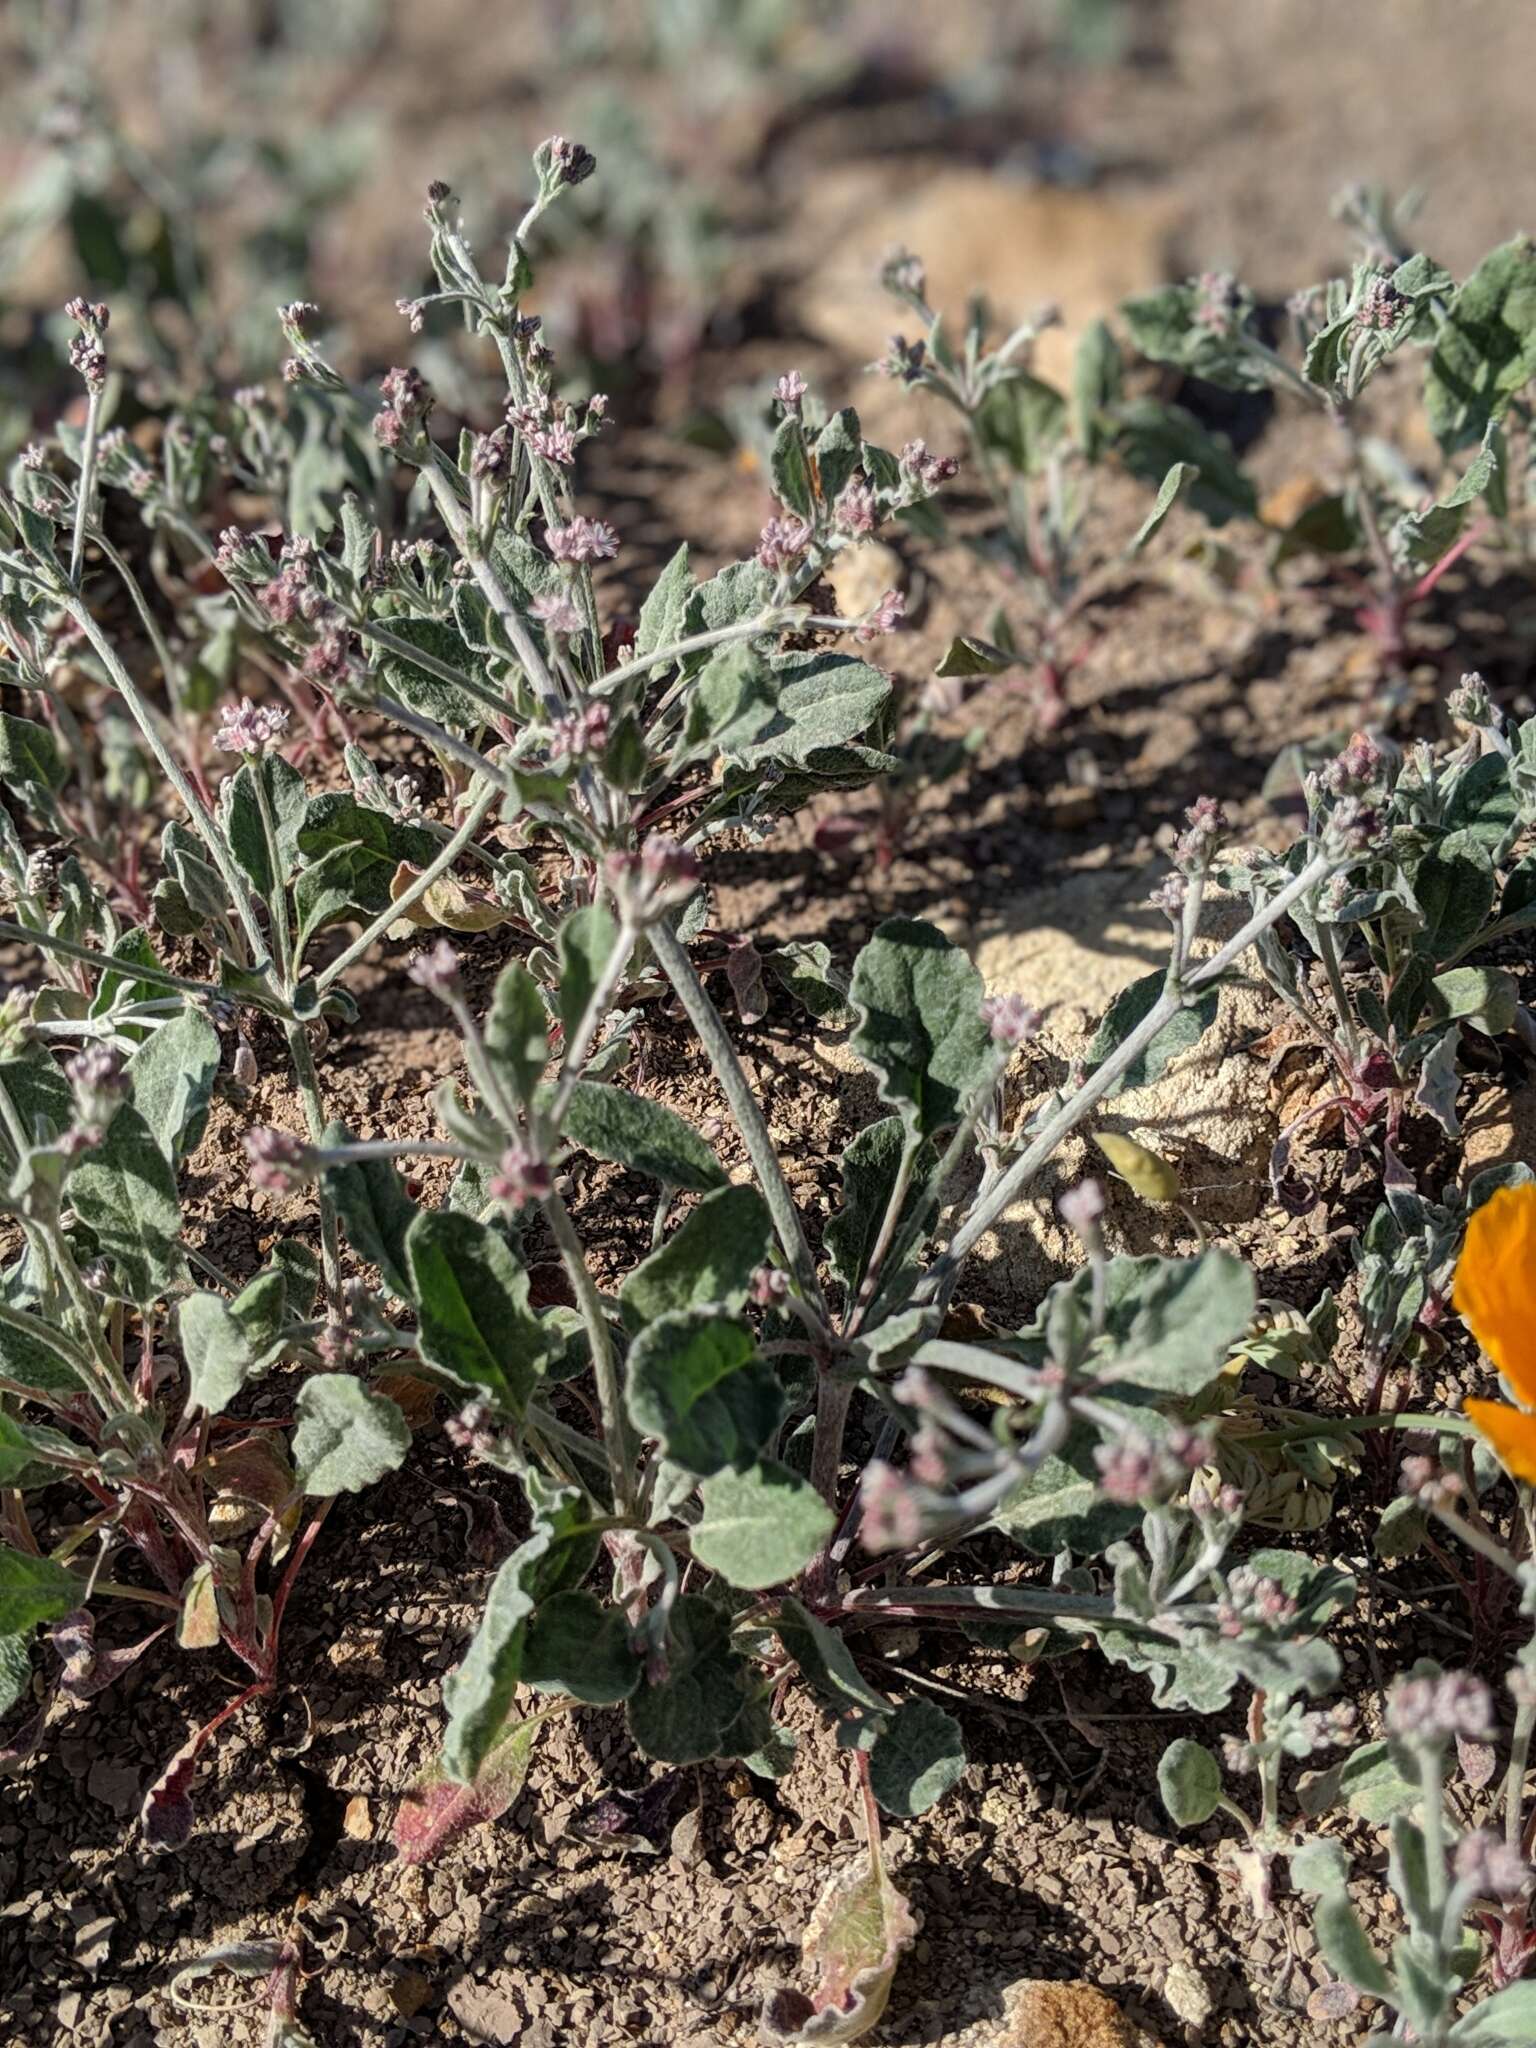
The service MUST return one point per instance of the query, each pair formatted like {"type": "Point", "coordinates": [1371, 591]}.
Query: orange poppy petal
{"type": "Point", "coordinates": [1495, 1286]}
{"type": "Point", "coordinates": [1510, 1432]}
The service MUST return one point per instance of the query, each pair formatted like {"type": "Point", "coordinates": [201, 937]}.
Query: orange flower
{"type": "Point", "coordinates": [1495, 1292]}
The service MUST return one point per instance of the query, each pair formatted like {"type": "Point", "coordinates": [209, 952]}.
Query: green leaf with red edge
{"type": "Point", "coordinates": [437, 1810]}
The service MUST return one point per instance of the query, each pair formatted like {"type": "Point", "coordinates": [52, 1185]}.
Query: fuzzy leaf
{"type": "Point", "coordinates": [375, 1212]}
{"type": "Point", "coordinates": [918, 1001]}
{"type": "Point", "coordinates": [478, 1695]}
{"type": "Point", "coordinates": [15, 1670]}
{"type": "Point", "coordinates": [247, 835]}
{"type": "Point", "coordinates": [33, 1589]}
{"type": "Point", "coordinates": [969, 656]}
{"type": "Point", "coordinates": [760, 1526]}
{"type": "Point", "coordinates": [1486, 350]}
{"type": "Point", "coordinates": [805, 969]}
{"type": "Point", "coordinates": [789, 467]}
{"type": "Point", "coordinates": [1024, 420]}
{"type": "Point", "coordinates": [1153, 438]}
{"type": "Point", "coordinates": [1367, 1782]}
{"type": "Point", "coordinates": [696, 1382]}
{"type": "Point", "coordinates": [517, 1030]}
{"type": "Point", "coordinates": [687, 1717]}
{"type": "Point", "coordinates": [1061, 1506]}
{"type": "Point", "coordinates": [574, 1644]}
{"type": "Point", "coordinates": [916, 1758]}
{"type": "Point", "coordinates": [171, 1077]}
{"type": "Point", "coordinates": [824, 700]}
{"type": "Point", "coordinates": [217, 1352]}
{"type": "Point", "coordinates": [1421, 538]}
{"type": "Point", "coordinates": [587, 938]}
{"type": "Point", "coordinates": [853, 1940]}
{"type": "Point", "coordinates": [1183, 1030]}
{"type": "Point", "coordinates": [471, 1295]}
{"type": "Point", "coordinates": [31, 767]}
{"type": "Point", "coordinates": [1483, 802]}
{"type": "Point", "coordinates": [28, 1355]}
{"type": "Point", "coordinates": [436, 1810]}
{"type": "Point", "coordinates": [1453, 886]}
{"type": "Point", "coordinates": [1168, 491]}
{"type": "Point", "coordinates": [125, 1192]}
{"type": "Point", "coordinates": [1506, 2020]}
{"type": "Point", "coordinates": [870, 1165]}
{"type": "Point", "coordinates": [345, 1436]}
{"type": "Point", "coordinates": [711, 1257]}
{"type": "Point", "coordinates": [419, 690]}
{"type": "Point", "coordinates": [827, 1665]}
{"type": "Point", "coordinates": [640, 1133]}
{"type": "Point", "coordinates": [666, 607]}
{"type": "Point", "coordinates": [1189, 1779]}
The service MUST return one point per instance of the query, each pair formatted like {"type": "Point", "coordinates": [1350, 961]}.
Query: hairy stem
{"type": "Point", "coordinates": [706, 1021]}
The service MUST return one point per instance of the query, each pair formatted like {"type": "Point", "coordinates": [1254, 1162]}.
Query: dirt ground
{"type": "Point", "coordinates": [1216, 137]}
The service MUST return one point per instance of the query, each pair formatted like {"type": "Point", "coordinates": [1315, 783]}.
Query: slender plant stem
{"type": "Point", "coordinates": [302, 1058]}
{"type": "Point", "coordinates": [158, 977]}
{"type": "Point", "coordinates": [618, 1438]}
{"type": "Point", "coordinates": [495, 595]}
{"type": "Point", "coordinates": [413, 894]}
{"type": "Point", "coordinates": [87, 484]}
{"type": "Point", "coordinates": [706, 1020]}
{"type": "Point", "coordinates": [213, 839]}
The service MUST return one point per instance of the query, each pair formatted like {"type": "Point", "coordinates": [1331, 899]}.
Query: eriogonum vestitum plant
{"type": "Point", "coordinates": [700, 1531]}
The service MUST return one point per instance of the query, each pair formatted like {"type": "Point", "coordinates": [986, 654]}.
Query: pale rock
{"type": "Point", "coordinates": [1070, 948]}
{"type": "Point", "coordinates": [1022, 245]}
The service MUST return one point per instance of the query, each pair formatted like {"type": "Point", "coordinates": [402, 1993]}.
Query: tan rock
{"type": "Point", "coordinates": [860, 577]}
{"type": "Point", "coordinates": [1040, 2013]}
{"type": "Point", "coordinates": [1070, 948]}
{"type": "Point", "coordinates": [1500, 1132]}
{"type": "Point", "coordinates": [1021, 245]}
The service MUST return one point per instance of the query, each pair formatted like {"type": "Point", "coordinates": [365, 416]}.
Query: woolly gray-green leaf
{"type": "Point", "coordinates": [636, 1132]}
{"type": "Point", "coordinates": [1183, 1030]}
{"type": "Point", "coordinates": [760, 1526]}
{"type": "Point", "coordinates": [376, 1212]}
{"type": "Point", "coordinates": [587, 938]}
{"type": "Point", "coordinates": [473, 1317]}
{"type": "Point", "coordinates": [1486, 349]}
{"type": "Point", "coordinates": [870, 1166]}
{"type": "Point", "coordinates": [171, 1077]}
{"type": "Point", "coordinates": [824, 700]}
{"type": "Point", "coordinates": [1061, 1506]}
{"type": "Point", "coordinates": [1153, 437]}
{"type": "Point", "coordinates": [687, 1717]}
{"type": "Point", "coordinates": [517, 1030]}
{"type": "Point", "coordinates": [574, 1644]}
{"type": "Point", "coordinates": [1168, 492]}
{"type": "Point", "coordinates": [15, 1670]}
{"type": "Point", "coordinates": [666, 606]}
{"type": "Point", "coordinates": [696, 1382]}
{"type": "Point", "coordinates": [416, 686]}
{"type": "Point", "coordinates": [918, 1002]}
{"type": "Point", "coordinates": [345, 1437]}
{"type": "Point", "coordinates": [710, 1257]}
{"type": "Point", "coordinates": [218, 1354]}
{"type": "Point", "coordinates": [33, 1589]}
{"type": "Point", "coordinates": [916, 1758]}
{"type": "Point", "coordinates": [125, 1192]}
{"type": "Point", "coordinates": [1189, 1779]}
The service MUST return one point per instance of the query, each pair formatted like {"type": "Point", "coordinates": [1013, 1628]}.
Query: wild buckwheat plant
{"type": "Point", "coordinates": [701, 1534]}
